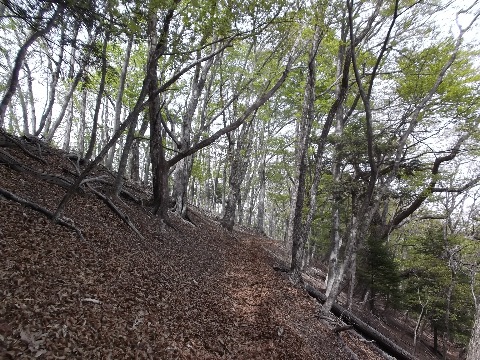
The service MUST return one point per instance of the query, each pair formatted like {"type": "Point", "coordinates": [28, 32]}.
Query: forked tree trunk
{"type": "Point", "coordinates": [238, 169]}
{"type": "Point", "coordinates": [184, 166]}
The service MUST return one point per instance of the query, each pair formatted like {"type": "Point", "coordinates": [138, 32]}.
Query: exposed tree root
{"type": "Point", "coordinates": [116, 210]}
{"type": "Point", "coordinates": [339, 329]}
{"type": "Point", "coordinates": [16, 165]}
{"type": "Point", "coordinates": [62, 221]}
{"type": "Point", "coordinates": [7, 140]}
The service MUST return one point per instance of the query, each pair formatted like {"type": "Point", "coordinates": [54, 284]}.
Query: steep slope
{"type": "Point", "coordinates": [193, 291]}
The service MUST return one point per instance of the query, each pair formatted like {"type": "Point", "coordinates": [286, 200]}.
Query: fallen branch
{"type": "Point", "coordinates": [62, 221]}
{"type": "Point", "coordinates": [350, 319]}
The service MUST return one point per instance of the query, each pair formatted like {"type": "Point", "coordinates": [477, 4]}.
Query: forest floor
{"type": "Point", "coordinates": [188, 291]}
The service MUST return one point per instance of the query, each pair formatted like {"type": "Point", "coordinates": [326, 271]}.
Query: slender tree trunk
{"type": "Point", "coordinates": [261, 181]}
{"type": "Point", "coordinates": [68, 129]}
{"type": "Point", "coordinates": [118, 102]}
{"type": "Point", "coordinates": [22, 52]}
{"type": "Point", "coordinates": [51, 132]}
{"type": "Point", "coordinates": [135, 166]}
{"type": "Point", "coordinates": [47, 113]}
{"type": "Point", "coordinates": [81, 124]}
{"type": "Point", "coordinates": [474, 344]}
{"type": "Point", "coordinates": [98, 103]}
{"type": "Point", "coordinates": [31, 98]}
{"type": "Point", "coordinates": [184, 166]}
{"type": "Point", "coordinates": [23, 105]}
{"type": "Point", "coordinates": [417, 327]}
{"type": "Point", "coordinates": [298, 235]}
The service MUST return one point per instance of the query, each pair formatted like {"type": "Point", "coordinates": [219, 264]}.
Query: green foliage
{"type": "Point", "coordinates": [428, 274]}
{"type": "Point", "coordinates": [378, 271]}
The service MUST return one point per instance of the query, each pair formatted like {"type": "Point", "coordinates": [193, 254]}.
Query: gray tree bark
{"type": "Point", "coordinates": [20, 58]}
{"type": "Point", "coordinates": [118, 101]}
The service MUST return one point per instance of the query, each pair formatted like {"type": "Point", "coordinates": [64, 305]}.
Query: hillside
{"type": "Point", "coordinates": [190, 290]}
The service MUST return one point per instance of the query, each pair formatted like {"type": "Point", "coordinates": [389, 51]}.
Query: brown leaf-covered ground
{"type": "Point", "coordinates": [191, 291]}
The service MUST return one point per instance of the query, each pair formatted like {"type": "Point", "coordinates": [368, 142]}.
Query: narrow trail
{"type": "Point", "coordinates": [194, 291]}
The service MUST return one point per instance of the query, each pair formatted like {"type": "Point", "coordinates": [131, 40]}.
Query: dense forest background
{"type": "Point", "coordinates": [349, 130]}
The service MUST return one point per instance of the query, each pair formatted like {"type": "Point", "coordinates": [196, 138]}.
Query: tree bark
{"type": "Point", "coordinates": [184, 166]}
{"type": "Point", "coordinates": [22, 52]}
{"type": "Point", "coordinates": [118, 101]}
{"type": "Point", "coordinates": [238, 169]}
{"type": "Point", "coordinates": [47, 113]}
{"type": "Point", "coordinates": [474, 344]}
{"type": "Point", "coordinates": [98, 103]}
{"type": "Point", "coordinates": [298, 231]}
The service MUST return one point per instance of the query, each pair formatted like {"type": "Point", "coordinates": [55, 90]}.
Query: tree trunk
{"type": "Point", "coordinates": [261, 181]}
{"type": "Point", "coordinates": [31, 98]}
{"type": "Point", "coordinates": [184, 166]}
{"type": "Point", "coordinates": [122, 165]}
{"type": "Point", "coordinates": [68, 129]}
{"type": "Point", "coordinates": [118, 102]}
{"type": "Point", "coordinates": [135, 166]}
{"type": "Point", "coordinates": [298, 231]}
{"type": "Point", "coordinates": [417, 326]}
{"type": "Point", "coordinates": [22, 52]}
{"type": "Point", "coordinates": [81, 123]}
{"type": "Point", "coordinates": [474, 344]}
{"type": "Point", "coordinates": [98, 103]}
{"type": "Point", "coordinates": [47, 113]}
{"type": "Point", "coordinates": [238, 169]}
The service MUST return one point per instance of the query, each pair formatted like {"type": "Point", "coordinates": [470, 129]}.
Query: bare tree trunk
{"type": "Point", "coordinates": [122, 165]}
{"type": "Point", "coordinates": [31, 98]}
{"type": "Point", "coordinates": [238, 169]}
{"type": "Point", "coordinates": [22, 52]}
{"type": "Point", "coordinates": [118, 102]}
{"type": "Point", "coordinates": [81, 123]}
{"type": "Point", "coordinates": [184, 166]}
{"type": "Point", "coordinates": [98, 103]}
{"type": "Point", "coordinates": [135, 165]}
{"type": "Point", "coordinates": [261, 181]}
{"type": "Point", "coordinates": [68, 129]}
{"type": "Point", "coordinates": [417, 326]}
{"type": "Point", "coordinates": [51, 132]}
{"type": "Point", "coordinates": [47, 113]}
{"type": "Point", "coordinates": [298, 230]}
{"type": "Point", "coordinates": [474, 344]}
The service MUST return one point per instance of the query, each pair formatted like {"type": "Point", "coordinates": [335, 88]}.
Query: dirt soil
{"type": "Point", "coordinates": [191, 290]}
